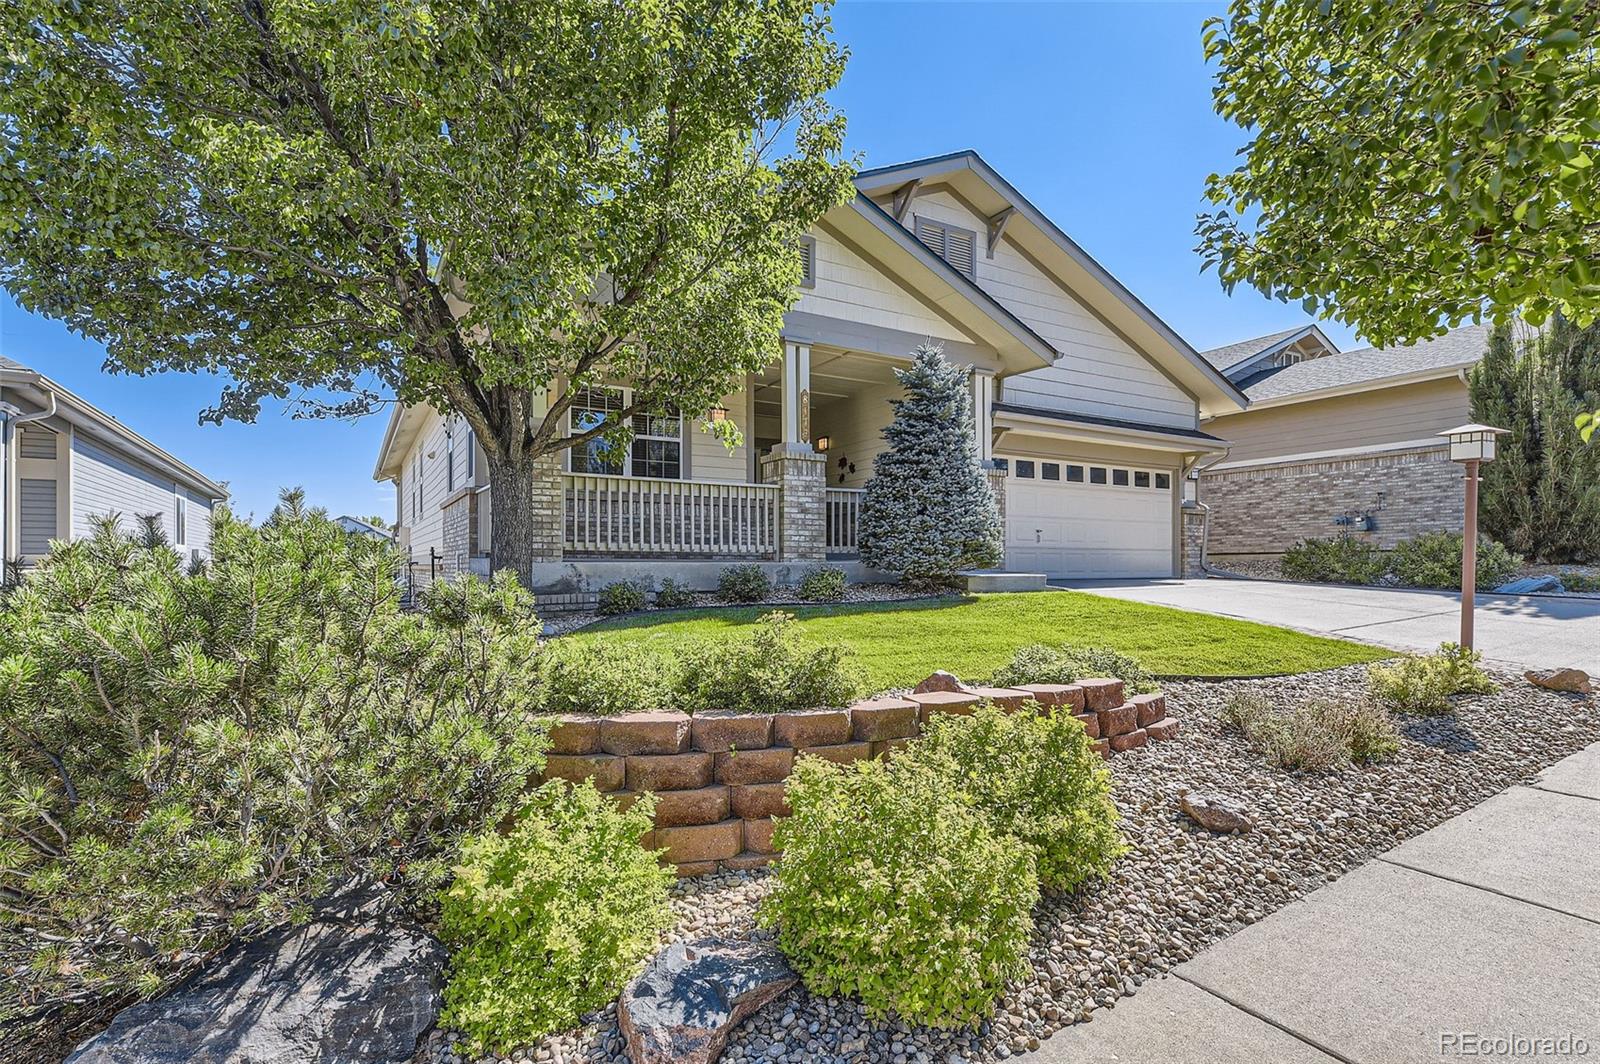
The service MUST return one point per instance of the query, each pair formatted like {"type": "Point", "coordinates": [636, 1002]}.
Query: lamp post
{"type": "Point", "coordinates": [1471, 445]}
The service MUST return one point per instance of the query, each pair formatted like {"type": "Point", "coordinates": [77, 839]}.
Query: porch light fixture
{"type": "Point", "coordinates": [822, 444]}
{"type": "Point", "coordinates": [717, 413]}
{"type": "Point", "coordinates": [1471, 445]}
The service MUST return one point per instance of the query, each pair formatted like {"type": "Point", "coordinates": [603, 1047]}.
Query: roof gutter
{"type": "Point", "coordinates": [1438, 373]}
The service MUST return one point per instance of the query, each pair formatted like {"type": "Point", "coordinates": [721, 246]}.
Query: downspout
{"type": "Point", "coordinates": [10, 417]}
{"type": "Point", "coordinates": [1194, 466]}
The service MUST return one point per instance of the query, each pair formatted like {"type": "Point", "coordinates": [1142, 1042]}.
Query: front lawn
{"type": "Point", "coordinates": [899, 643]}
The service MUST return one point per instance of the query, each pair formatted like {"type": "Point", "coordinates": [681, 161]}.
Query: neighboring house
{"type": "Point", "coordinates": [357, 527]}
{"type": "Point", "coordinates": [1337, 441]}
{"type": "Point", "coordinates": [1088, 410]}
{"type": "Point", "coordinates": [65, 463]}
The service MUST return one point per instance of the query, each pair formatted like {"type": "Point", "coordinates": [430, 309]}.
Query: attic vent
{"type": "Point", "coordinates": [957, 246]}
{"type": "Point", "coordinates": [808, 262]}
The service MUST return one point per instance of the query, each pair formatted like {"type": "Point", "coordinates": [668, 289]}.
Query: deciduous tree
{"type": "Point", "coordinates": [458, 204]}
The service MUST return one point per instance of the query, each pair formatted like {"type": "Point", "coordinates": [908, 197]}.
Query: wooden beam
{"type": "Point", "coordinates": [903, 197]}
{"type": "Point", "coordinates": [997, 229]}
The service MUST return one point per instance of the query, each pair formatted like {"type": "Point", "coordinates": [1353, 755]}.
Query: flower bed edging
{"type": "Point", "coordinates": [718, 777]}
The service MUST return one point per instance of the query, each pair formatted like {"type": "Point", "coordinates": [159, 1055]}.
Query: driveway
{"type": "Point", "coordinates": [1538, 631]}
{"type": "Point", "coordinates": [1479, 938]}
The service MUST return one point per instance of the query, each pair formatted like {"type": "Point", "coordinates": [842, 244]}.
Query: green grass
{"type": "Point", "coordinates": [899, 643]}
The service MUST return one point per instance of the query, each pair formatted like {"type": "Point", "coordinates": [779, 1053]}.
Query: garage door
{"type": "Point", "coordinates": [1088, 519]}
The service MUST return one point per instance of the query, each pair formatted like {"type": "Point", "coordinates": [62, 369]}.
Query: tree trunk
{"type": "Point", "coordinates": [525, 514]}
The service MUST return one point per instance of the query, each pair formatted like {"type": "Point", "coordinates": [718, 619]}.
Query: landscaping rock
{"type": "Point", "coordinates": [1216, 814]}
{"type": "Point", "coordinates": [349, 986]}
{"type": "Point", "coordinates": [1573, 681]}
{"type": "Point", "coordinates": [939, 681]}
{"type": "Point", "coordinates": [684, 1005]}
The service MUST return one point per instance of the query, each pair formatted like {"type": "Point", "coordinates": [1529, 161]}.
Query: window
{"type": "Point", "coordinates": [180, 521]}
{"type": "Point", "coordinates": [808, 262]}
{"type": "Point", "coordinates": [1075, 474]}
{"type": "Point", "coordinates": [957, 246]}
{"type": "Point", "coordinates": [1164, 481]}
{"type": "Point", "coordinates": [1141, 479]}
{"type": "Point", "coordinates": [1024, 469]}
{"type": "Point", "coordinates": [1119, 478]}
{"type": "Point", "coordinates": [657, 449]}
{"type": "Point", "coordinates": [1097, 475]}
{"type": "Point", "coordinates": [1051, 471]}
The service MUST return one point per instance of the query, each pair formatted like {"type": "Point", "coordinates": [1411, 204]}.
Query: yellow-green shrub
{"type": "Point", "coordinates": [548, 921]}
{"type": "Point", "coordinates": [896, 891]}
{"type": "Point", "coordinates": [1423, 684]}
{"type": "Point", "coordinates": [1041, 663]}
{"type": "Point", "coordinates": [770, 668]}
{"type": "Point", "coordinates": [1034, 778]}
{"type": "Point", "coordinates": [604, 676]}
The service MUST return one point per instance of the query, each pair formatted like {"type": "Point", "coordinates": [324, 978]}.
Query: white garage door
{"type": "Point", "coordinates": [1088, 519]}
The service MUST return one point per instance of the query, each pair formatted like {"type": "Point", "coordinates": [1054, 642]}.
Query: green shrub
{"type": "Point", "coordinates": [1315, 734]}
{"type": "Point", "coordinates": [548, 921]}
{"type": "Point", "coordinates": [1340, 560]}
{"type": "Point", "coordinates": [604, 676]}
{"type": "Point", "coordinates": [1423, 684]}
{"type": "Point", "coordinates": [1039, 663]}
{"type": "Point", "coordinates": [1580, 582]}
{"type": "Point", "coordinates": [1034, 778]}
{"type": "Point", "coordinates": [823, 585]}
{"type": "Point", "coordinates": [1434, 560]}
{"type": "Point", "coordinates": [770, 668]}
{"type": "Point", "coordinates": [673, 595]}
{"type": "Point", "coordinates": [743, 583]}
{"type": "Point", "coordinates": [623, 596]}
{"type": "Point", "coordinates": [894, 890]}
{"type": "Point", "coordinates": [184, 757]}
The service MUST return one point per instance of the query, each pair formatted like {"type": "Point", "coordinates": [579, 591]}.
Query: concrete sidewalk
{"type": "Point", "coordinates": [1540, 631]}
{"type": "Point", "coordinates": [1486, 927]}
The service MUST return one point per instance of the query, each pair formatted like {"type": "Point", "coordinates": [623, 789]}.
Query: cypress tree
{"type": "Point", "coordinates": [928, 511]}
{"type": "Point", "coordinates": [1541, 496]}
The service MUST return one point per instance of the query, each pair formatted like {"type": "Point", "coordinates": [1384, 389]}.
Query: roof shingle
{"type": "Point", "coordinates": [1457, 348]}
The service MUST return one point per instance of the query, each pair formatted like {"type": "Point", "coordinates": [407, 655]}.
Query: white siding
{"type": "Point", "coordinates": [199, 522]}
{"type": "Point", "coordinates": [852, 289]}
{"type": "Point", "coordinates": [854, 428]}
{"type": "Point", "coordinates": [1098, 373]}
{"type": "Point", "coordinates": [420, 511]}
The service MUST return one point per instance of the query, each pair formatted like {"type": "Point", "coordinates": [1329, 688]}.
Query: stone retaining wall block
{"type": "Point", "coordinates": [1055, 694]}
{"type": "Point", "coordinates": [1091, 724]}
{"type": "Point", "coordinates": [701, 842]}
{"type": "Point", "coordinates": [746, 862]}
{"type": "Point", "coordinates": [1007, 698]}
{"type": "Point", "coordinates": [702, 805]}
{"type": "Point", "coordinates": [1151, 708]}
{"type": "Point", "coordinates": [771, 765]}
{"type": "Point", "coordinates": [645, 733]}
{"type": "Point", "coordinates": [609, 772]}
{"type": "Point", "coordinates": [1102, 692]}
{"type": "Point", "coordinates": [838, 753]}
{"type": "Point", "coordinates": [718, 730]}
{"type": "Point", "coordinates": [574, 733]}
{"type": "Point", "coordinates": [812, 727]}
{"type": "Point", "coordinates": [935, 702]}
{"type": "Point", "coordinates": [1130, 741]}
{"type": "Point", "coordinates": [885, 748]}
{"type": "Point", "coordinates": [883, 718]}
{"type": "Point", "coordinates": [1102, 747]}
{"type": "Point", "coordinates": [758, 836]}
{"type": "Point", "coordinates": [1113, 722]}
{"type": "Point", "coordinates": [1166, 728]}
{"type": "Point", "coordinates": [669, 772]}
{"type": "Point", "coordinates": [753, 801]}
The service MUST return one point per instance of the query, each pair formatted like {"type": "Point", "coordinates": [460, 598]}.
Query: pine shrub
{"type": "Point", "coordinates": [185, 757]}
{"type": "Point", "coordinates": [1434, 560]}
{"type": "Point", "coordinates": [928, 511]}
{"type": "Point", "coordinates": [1039, 663]}
{"type": "Point", "coordinates": [771, 668]}
{"type": "Point", "coordinates": [547, 921]}
{"type": "Point", "coordinates": [896, 891]}
{"type": "Point", "coordinates": [1034, 778]}
{"type": "Point", "coordinates": [743, 583]}
{"type": "Point", "coordinates": [1339, 560]}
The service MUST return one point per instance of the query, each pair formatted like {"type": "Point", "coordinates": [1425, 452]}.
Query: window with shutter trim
{"type": "Point", "coordinates": [957, 246]}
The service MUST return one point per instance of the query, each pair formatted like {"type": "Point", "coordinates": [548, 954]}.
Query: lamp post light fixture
{"type": "Point", "coordinates": [1471, 445]}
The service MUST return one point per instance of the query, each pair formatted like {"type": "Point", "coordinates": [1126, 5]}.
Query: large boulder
{"type": "Point", "coordinates": [349, 987]}
{"type": "Point", "coordinates": [1574, 681]}
{"type": "Point", "coordinates": [1215, 814]}
{"type": "Point", "coordinates": [684, 1005]}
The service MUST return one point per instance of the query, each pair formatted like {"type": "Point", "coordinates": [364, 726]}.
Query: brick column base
{"type": "Point", "coordinates": [997, 485]}
{"type": "Point", "coordinates": [801, 474]}
{"type": "Point", "coordinates": [1192, 545]}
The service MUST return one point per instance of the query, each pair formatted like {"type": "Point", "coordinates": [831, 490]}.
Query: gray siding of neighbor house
{"type": "Point", "coordinates": [106, 481]}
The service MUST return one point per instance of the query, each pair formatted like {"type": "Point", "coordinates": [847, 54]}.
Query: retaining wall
{"type": "Point", "coordinates": [719, 777]}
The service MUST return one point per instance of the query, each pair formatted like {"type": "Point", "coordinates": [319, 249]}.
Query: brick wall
{"type": "Point", "coordinates": [456, 532]}
{"type": "Point", "coordinates": [719, 777]}
{"type": "Point", "coordinates": [1192, 547]}
{"type": "Point", "coordinates": [1266, 509]}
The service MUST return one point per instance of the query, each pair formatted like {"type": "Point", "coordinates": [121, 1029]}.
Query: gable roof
{"type": "Point", "coordinates": [96, 423]}
{"type": "Point", "coordinates": [1368, 367]}
{"type": "Point", "coordinates": [1089, 281]}
{"type": "Point", "coordinates": [1236, 360]}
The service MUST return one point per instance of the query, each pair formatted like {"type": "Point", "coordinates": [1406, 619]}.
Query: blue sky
{"type": "Point", "coordinates": [1100, 114]}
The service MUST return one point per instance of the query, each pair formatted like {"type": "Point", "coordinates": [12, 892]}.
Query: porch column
{"type": "Point", "coordinates": [982, 391]}
{"type": "Point", "coordinates": [799, 472]}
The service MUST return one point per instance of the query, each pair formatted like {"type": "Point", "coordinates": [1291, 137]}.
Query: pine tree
{"type": "Point", "coordinates": [1541, 495]}
{"type": "Point", "coordinates": [928, 512]}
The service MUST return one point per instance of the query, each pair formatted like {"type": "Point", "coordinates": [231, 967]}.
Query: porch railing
{"type": "Point", "coordinates": [645, 516]}
{"type": "Point", "coordinates": [843, 506]}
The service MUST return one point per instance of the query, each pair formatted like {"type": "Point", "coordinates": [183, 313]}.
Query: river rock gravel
{"type": "Point", "coordinates": [1177, 890]}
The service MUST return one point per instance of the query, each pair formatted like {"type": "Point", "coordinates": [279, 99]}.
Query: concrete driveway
{"type": "Point", "coordinates": [1538, 631]}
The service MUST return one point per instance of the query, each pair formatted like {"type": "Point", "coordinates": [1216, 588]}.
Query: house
{"type": "Point", "coordinates": [64, 463]}
{"type": "Point", "coordinates": [358, 527]}
{"type": "Point", "coordinates": [1088, 411]}
{"type": "Point", "coordinates": [1337, 441]}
